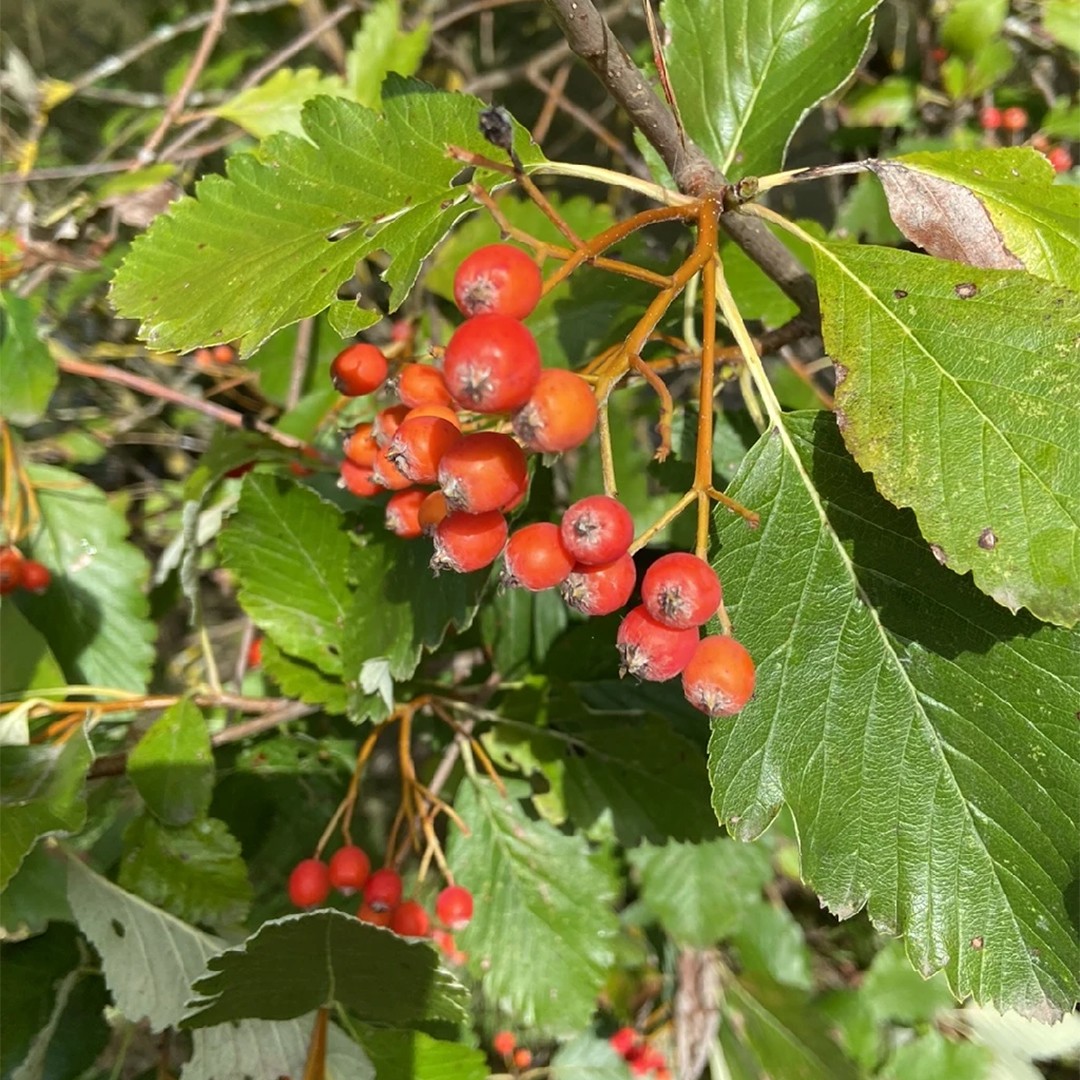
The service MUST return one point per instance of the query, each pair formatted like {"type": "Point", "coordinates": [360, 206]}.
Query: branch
{"type": "Point", "coordinates": [694, 174]}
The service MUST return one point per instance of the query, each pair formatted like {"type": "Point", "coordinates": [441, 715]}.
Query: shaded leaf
{"type": "Point", "coordinates": [27, 370]}
{"type": "Point", "coordinates": [26, 661]}
{"type": "Point", "coordinates": [303, 681]}
{"type": "Point", "coordinates": [769, 940]}
{"type": "Point", "coordinates": [931, 1056]}
{"type": "Point", "coordinates": [35, 896]}
{"type": "Point", "coordinates": [896, 991]}
{"type": "Point", "coordinates": [588, 1058]}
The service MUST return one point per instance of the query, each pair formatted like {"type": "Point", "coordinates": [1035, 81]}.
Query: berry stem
{"type": "Point", "coordinates": [703, 463]}
{"type": "Point", "coordinates": [665, 519]}
{"type": "Point", "coordinates": [345, 808]}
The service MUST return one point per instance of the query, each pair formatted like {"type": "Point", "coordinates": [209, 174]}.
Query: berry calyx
{"type": "Point", "coordinates": [383, 889]}
{"type": "Point", "coordinates": [358, 480]}
{"type": "Point", "coordinates": [491, 364]}
{"type": "Point", "coordinates": [559, 415]}
{"type": "Point", "coordinates": [503, 1043]}
{"type": "Point", "coordinates": [358, 369]}
{"type": "Point", "coordinates": [651, 651]}
{"type": "Point", "coordinates": [375, 916]}
{"type": "Point", "coordinates": [535, 558]}
{"type": "Point", "coordinates": [421, 384]}
{"type": "Point", "coordinates": [990, 118]}
{"type": "Point", "coordinates": [386, 473]}
{"type": "Point", "coordinates": [719, 679]}
{"type": "Point", "coordinates": [361, 447]}
{"type": "Point", "coordinates": [597, 529]}
{"type": "Point", "coordinates": [349, 869]}
{"type": "Point", "coordinates": [418, 446]}
{"type": "Point", "coordinates": [410, 920]}
{"type": "Point", "coordinates": [454, 907]}
{"type": "Point", "coordinates": [1014, 119]}
{"type": "Point", "coordinates": [403, 513]}
{"type": "Point", "coordinates": [680, 590]}
{"type": "Point", "coordinates": [497, 279]}
{"type": "Point", "coordinates": [482, 471]}
{"type": "Point", "coordinates": [600, 590]}
{"type": "Point", "coordinates": [309, 883]}
{"type": "Point", "coordinates": [468, 542]}
{"type": "Point", "coordinates": [11, 570]}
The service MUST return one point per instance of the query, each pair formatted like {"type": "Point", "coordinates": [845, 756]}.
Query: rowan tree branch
{"type": "Point", "coordinates": [590, 37]}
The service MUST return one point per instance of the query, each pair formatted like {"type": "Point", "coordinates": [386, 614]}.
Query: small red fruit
{"type": "Point", "coordinates": [386, 473]}
{"type": "Point", "coordinates": [482, 471]}
{"type": "Point", "coordinates": [358, 480]}
{"type": "Point", "coordinates": [383, 889]}
{"type": "Point", "coordinates": [559, 415]}
{"type": "Point", "coordinates": [467, 542]}
{"type": "Point", "coordinates": [497, 279]}
{"type": "Point", "coordinates": [1014, 119]}
{"type": "Point", "coordinates": [375, 916]}
{"type": "Point", "coordinates": [623, 1041]}
{"type": "Point", "coordinates": [454, 907]}
{"type": "Point", "coordinates": [410, 920]}
{"type": "Point", "coordinates": [361, 447]}
{"type": "Point", "coordinates": [1059, 158]}
{"type": "Point", "coordinates": [597, 529]}
{"type": "Point", "coordinates": [419, 444]}
{"type": "Point", "coordinates": [522, 1057]}
{"type": "Point", "coordinates": [224, 354]}
{"type": "Point", "coordinates": [309, 883]}
{"type": "Point", "coordinates": [719, 680]}
{"type": "Point", "coordinates": [680, 590]}
{"type": "Point", "coordinates": [536, 559]}
{"type": "Point", "coordinates": [387, 421]}
{"type": "Point", "coordinates": [491, 364]}
{"type": "Point", "coordinates": [421, 384]}
{"type": "Point", "coordinates": [36, 578]}
{"type": "Point", "coordinates": [651, 651]}
{"type": "Point", "coordinates": [350, 868]}
{"type": "Point", "coordinates": [358, 369]}
{"type": "Point", "coordinates": [432, 510]}
{"type": "Point", "coordinates": [503, 1043]}
{"type": "Point", "coordinates": [990, 118]}
{"type": "Point", "coordinates": [254, 652]}
{"type": "Point", "coordinates": [11, 570]}
{"type": "Point", "coordinates": [600, 590]}
{"type": "Point", "coordinates": [403, 513]}
{"type": "Point", "coordinates": [448, 947]}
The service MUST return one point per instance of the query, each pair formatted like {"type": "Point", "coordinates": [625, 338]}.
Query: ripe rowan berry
{"type": "Point", "coordinates": [358, 480]}
{"type": "Point", "coordinates": [254, 652]}
{"type": "Point", "coordinates": [386, 474]}
{"type": "Point", "coordinates": [651, 651]}
{"type": "Point", "coordinates": [403, 513]}
{"type": "Point", "coordinates": [497, 279]}
{"type": "Point", "coordinates": [597, 529]}
{"type": "Point", "coordinates": [681, 590]}
{"type": "Point", "coordinates": [445, 412]}
{"type": "Point", "coordinates": [350, 868]}
{"type": "Point", "coordinates": [387, 421]}
{"type": "Point", "coordinates": [432, 510]}
{"type": "Point", "coordinates": [602, 589]}
{"type": "Point", "coordinates": [522, 1057]}
{"type": "Point", "coordinates": [1059, 158]}
{"type": "Point", "coordinates": [454, 907]}
{"type": "Point", "coordinates": [719, 680]}
{"type": "Point", "coordinates": [361, 447]}
{"type": "Point", "coordinates": [421, 384]}
{"type": "Point", "coordinates": [503, 1043]}
{"type": "Point", "coordinates": [559, 415]}
{"type": "Point", "coordinates": [482, 471]}
{"type": "Point", "coordinates": [375, 916]}
{"type": "Point", "coordinates": [623, 1041]}
{"type": "Point", "coordinates": [224, 354]}
{"type": "Point", "coordinates": [11, 569]}
{"type": "Point", "coordinates": [309, 883]}
{"type": "Point", "coordinates": [536, 559]}
{"type": "Point", "coordinates": [418, 446]}
{"type": "Point", "coordinates": [990, 118]}
{"type": "Point", "coordinates": [1014, 119]}
{"type": "Point", "coordinates": [358, 369]}
{"type": "Point", "coordinates": [467, 542]}
{"type": "Point", "coordinates": [491, 364]}
{"type": "Point", "coordinates": [410, 920]}
{"type": "Point", "coordinates": [382, 891]}
{"type": "Point", "coordinates": [447, 946]}
{"type": "Point", "coordinates": [203, 357]}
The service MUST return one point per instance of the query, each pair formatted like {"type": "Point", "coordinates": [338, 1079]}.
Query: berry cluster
{"type": "Point", "coordinates": [456, 479]}
{"type": "Point", "coordinates": [1014, 120]}
{"type": "Point", "coordinates": [642, 1058]}
{"type": "Point", "coordinates": [504, 1043]}
{"type": "Point", "coordinates": [18, 572]}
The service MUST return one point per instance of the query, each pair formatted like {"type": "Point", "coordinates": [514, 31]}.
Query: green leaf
{"type": "Point", "coordinates": [519, 626]}
{"type": "Point", "coordinates": [588, 1058]}
{"type": "Point", "coordinates": [543, 903]}
{"type": "Point", "coordinates": [275, 105]}
{"type": "Point", "coordinates": [381, 46]}
{"type": "Point", "coordinates": [1061, 21]}
{"type": "Point", "coordinates": [769, 940]}
{"type": "Point", "coordinates": [298, 679]}
{"type": "Point", "coordinates": [412, 1055]}
{"type": "Point", "coordinates": [263, 248]}
{"type": "Point", "coordinates": [915, 728]}
{"type": "Point", "coordinates": [302, 962]}
{"type": "Point", "coordinates": [889, 103]}
{"type": "Point", "coordinates": [971, 25]}
{"type": "Point", "coordinates": [290, 553]}
{"type": "Point", "coordinates": [931, 1056]}
{"type": "Point", "coordinates": [955, 389]}
{"type": "Point", "coordinates": [172, 765]}
{"type": "Point", "coordinates": [896, 992]}
{"type": "Point", "coordinates": [195, 871]}
{"type": "Point", "coordinates": [94, 615]}
{"type": "Point", "coordinates": [41, 792]}
{"type": "Point", "coordinates": [745, 73]}
{"type": "Point", "coordinates": [699, 891]}
{"type": "Point", "coordinates": [991, 208]}
{"type": "Point", "coordinates": [27, 370]}
{"type": "Point", "coordinates": [26, 661]}
{"type": "Point", "coordinates": [35, 896]}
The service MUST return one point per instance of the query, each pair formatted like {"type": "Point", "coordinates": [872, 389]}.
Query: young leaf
{"type": "Point", "coordinates": [543, 902]}
{"type": "Point", "coordinates": [919, 732]}
{"type": "Point", "coordinates": [955, 388]}
{"type": "Point", "coordinates": [379, 47]}
{"type": "Point", "coordinates": [27, 370]}
{"type": "Point", "coordinates": [94, 615]}
{"type": "Point", "coordinates": [275, 105]}
{"type": "Point", "coordinates": [746, 73]}
{"type": "Point", "coordinates": [301, 962]}
{"type": "Point", "coordinates": [412, 1055]}
{"type": "Point", "coordinates": [265, 247]}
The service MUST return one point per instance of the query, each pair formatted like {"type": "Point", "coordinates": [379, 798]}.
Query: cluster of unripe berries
{"type": "Point", "coordinates": [644, 1060]}
{"type": "Point", "coordinates": [381, 897]}
{"type": "Point", "coordinates": [18, 572]}
{"type": "Point", "coordinates": [458, 485]}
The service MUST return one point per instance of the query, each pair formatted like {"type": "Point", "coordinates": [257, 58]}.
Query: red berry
{"type": "Point", "coordinates": [240, 470]}
{"type": "Point", "coordinates": [559, 415]}
{"type": "Point", "coordinates": [36, 578]}
{"type": "Point", "coordinates": [421, 384]}
{"type": "Point", "coordinates": [11, 570]}
{"type": "Point", "coordinates": [1059, 158]}
{"type": "Point", "coordinates": [491, 364]}
{"type": "Point", "coordinates": [651, 651]}
{"type": "Point", "coordinates": [376, 916]}
{"type": "Point", "coordinates": [467, 542]}
{"type": "Point", "coordinates": [454, 907]}
{"type": "Point", "coordinates": [597, 529]}
{"type": "Point", "coordinates": [386, 473]}
{"type": "Point", "coordinates": [482, 471]}
{"type": "Point", "coordinates": [410, 920]}
{"type": "Point", "coordinates": [939, 55]}
{"type": "Point", "coordinates": [990, 118]}
{"type": "Point", "coordinates": [349, 869]}
{"type": "Point", "coordinates": [522, 1057]}
{"type": "Point", "coordinates": [600, 590]}
{"type": "Point", "coordinates": [503, 1043]}
{"type": "Point", "coordinates": [309, 883]}
{"type": "Point", "coordinates": [536, 559]}
{"type": "Point", "coordinates": [361, 447]}
{"type": "Point", "coordinates": [681, 590]}
{"type": "Point", "coordinates": [358, 480]}
{"type": "Point", "coordinates": [403, 513]}
{"type": "Point", "coordinates": [224, 354]}
{"type": "Point", "coordinates": [419, 444]}
{"type": "Point", "coordinates": [1014, 119]}
{"type": "Point", "coordinates": [383, 889]}
{"type": "Point", "coordinates": [358, 369]}
{"type": "Point", "coordinates": [254, 652]}
{"type": "Point", "coordinates": [447, 946]}
{"type": "Point", "coordinates": [203, 357]}
{"type": "Point", "coordinates": [719, 680]}
{"type": "Point", "coordinates": [623, 1041]}
{"type": "Point", "coordinates": [432, 510]}
{"type": "Point", "coordinates": [387, 421]}
{"type": "Point", "coordinates": [497, 279]}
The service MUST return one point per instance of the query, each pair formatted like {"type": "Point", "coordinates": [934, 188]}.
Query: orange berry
{"type": "Point", "coordinates": [358, 369]}
{"type": "Point", "coordinates": [559, 415]}
{"type": "Point", "coordinates": [387, 421]}
{"type": "Point", "coordinates": [467, 542]}
{"type": "Point", "coordinates": [403, 513]}
{"type": "Point", "coordinates": [432, 510]}
{"type": "Point", "coordinates": [358, 480]}
{"type": "Point", "coordinates": [419, 445]}
{"type": "Point", "coordinates": [360, 446]}
{"type": "Point", "coordinates": [719, 679]}
{"type": "Point", "coordinates": [497, 279]}
{"type": "Point", "coordinates": [385, 473]}
{"type": "Point", "coordinates": [503, 1043]}
{"type": "Point", "coordinates": [421, 384]}
{"type": "Point", "coordinates": [482, 471]}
